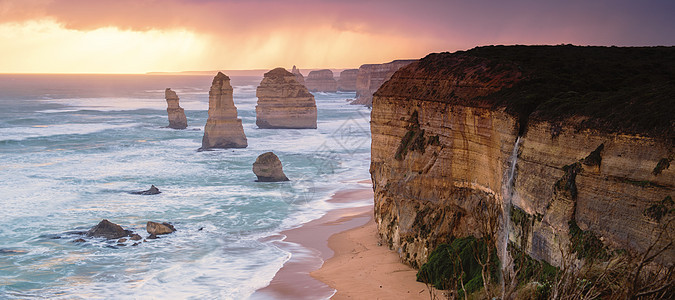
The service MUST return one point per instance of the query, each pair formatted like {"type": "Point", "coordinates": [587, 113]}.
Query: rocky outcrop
{"type": "Point", "coordinates": [371, 76]}
{"type": "Point", "coordinates": [283, 102]}
{"type": "Point", "coordinates": [444, 128]}
{"type": "Point", "coordinates": [177, 119]}
{"type": "Point", "coordinates": [155, 228]}
{"type": "Point", "coordinates": [321, 81]}
{"type": "Point", "coordinates": [298, 75]}
{"type": "Point", "coordinates": [267, 167]}
{"type": "Point", "coordinates": [347, 80]}
{"type": "Point", "coordinates": [223, 129]}
{"type": "Point", "coordinates": [153, 190]}
{"type": "Point", "coordinates": [108, 230]}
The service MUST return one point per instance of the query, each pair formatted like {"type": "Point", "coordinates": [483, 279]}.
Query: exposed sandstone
{"type": "Point", "coordinates": [177, 119]}
{"type": "Point", "coordinates": [283, 102]}
{"type": "Point", "coordinates": [371, 76]}
{"type": "Point", "coordinates": [321, 81]}
{"type": "Point", "coordinates": [443, 130]}
{"type": "Point", "coordinates": [155, 228]}
{"type": "Point", "coordinates": [298, 75]}
{"type": "Point", "coordinates": [267, 167]}
{"type": "Point", "coordinates": [347, 80]}
{"type": "Point", "coordinates": [223, 129]}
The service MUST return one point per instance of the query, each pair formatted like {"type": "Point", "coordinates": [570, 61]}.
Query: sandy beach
{"type": "Point", "coordinates": [339, 256]}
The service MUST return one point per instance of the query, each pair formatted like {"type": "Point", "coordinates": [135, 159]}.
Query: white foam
{"type": "Point", "coordinates": [23, 133]}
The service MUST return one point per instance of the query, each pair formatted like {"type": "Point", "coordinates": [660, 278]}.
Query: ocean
{"type": "Point", "coordinates": [72, 147]}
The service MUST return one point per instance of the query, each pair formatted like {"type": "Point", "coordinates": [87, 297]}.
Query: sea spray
{"type": "Point", "coordinates": [506, 213]}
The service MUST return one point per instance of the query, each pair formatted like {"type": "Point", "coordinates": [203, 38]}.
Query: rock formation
{"type": "Point", "coordinates": [159, 228]}
{"type": "Point", "coordinates": [268, 168]}
{"type": "Point", "coordinates": [298, 75]}
{"type": "Point", "coordinates": [283, 102]}
{"type": "Point", "coordinates": [321, 81]}
{"type": "Point", "coordinates": [590, 161]}
{"type": "Point", "coordinates": [347, 80]}
{"type": "Point", "coordinates": [223, 129]}
{"type": "Point", "coordinates": [153, 190]}
{"type": "Point", "coordinates": [177, 119]}
{"type": "Point", "coordinates": [371, 76]}
{"type": "Point", "coordinates": [108, 230]}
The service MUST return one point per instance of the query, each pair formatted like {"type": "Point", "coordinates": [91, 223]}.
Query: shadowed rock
{"type": "Point", "coordinates": [108, 230]}
{"type": "Point", "coordinates": [177, 119]}
{"type": "Point", "coordinates": [321, 81]}
{"type": "Point", "coordinates": [268, 168]}
{"type": "Point", "coordinates": [223, 129]}
{"type": "Point", "coordinates": [152, 191]}
{"type": "Point", "coordinates": [155, 228]}
{"type": "Point", "coordinates": [347, 80]}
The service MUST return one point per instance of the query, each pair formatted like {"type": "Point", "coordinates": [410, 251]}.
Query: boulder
{"type": "Point", "coordinates": [152, 191]}
{"type": "Point", "coordinates": [223, 129]}
{"type": "Point", "coordinates": [283, 102]}
{"type": "Point", "coordinates": [268, 168]}
{"type": "Point", "coordinates": [177, 119]}
{"type": "Point", "coordinates": [321, 81]}
{"type": "Point", "coordinates": [108, 230]}
{"type": "Point", "coordinates": [155, 228]}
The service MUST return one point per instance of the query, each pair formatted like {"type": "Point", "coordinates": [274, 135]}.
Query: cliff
{"type": "Point", "coordinates": [347, 80]}
{"type": "Point", "coordinates": [371, 76]}
{"type": "Point", "coordinates": [298, 75]}
{"type": "Point", "coordinates": [223, 129]}
{"type": "Point", "coordinates": [321, 81]}
{"type": "Point", "coordinates": [283, 102]}
{"type": "Point", "coordinates": [177, 119]}
{"type": "Point", "coordinates": [595, 131]}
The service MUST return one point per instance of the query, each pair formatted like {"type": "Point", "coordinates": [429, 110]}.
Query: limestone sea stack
{"type": "Point", "coordinates": [298, 75]}
{"type": "Point", "coordinates": [372, 76]}
{"type": "Point", "coordinates": [321, 81]}
{"type": "Point", "coordinates": [223, 129]}
{"type": "Point", "coordinates": [177, 119]}
{"type": "Point", "coordinates": [347, 80]}
{"type": "Point", "coordinates": [283, 102]}
{"type": "Point", "coordinates": [268, 168]}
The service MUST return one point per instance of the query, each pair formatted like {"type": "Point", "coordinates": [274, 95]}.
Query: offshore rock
{"type": "Point", "coordinates": [443, 130]}
{"type": "Point", "coordinates": [321, 81]}
{"type": "Point", "coordinates": [223, 129]}
{"type": "Point", "coordinates": [298, 75]}
{"type": "Point", "coordinates": [268, 168]}
{"type": "Point", "coordinates": [155, 228]}
{"type": "Point", "coordinates": [177, 119]}
{"type": "Point", "coordinates": [153, 190]}
{"type": "Point", "coordinates": [108, 230]}
{"type": "Point", "coordinates": [371, 76]}
{"type": "Point", "coordinates": [284, 103]}
{"type": "Point", "coordinates": [347, 80]}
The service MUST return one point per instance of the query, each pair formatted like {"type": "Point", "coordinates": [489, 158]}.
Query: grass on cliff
{"type": "Point", "coordinates": [620, 89]}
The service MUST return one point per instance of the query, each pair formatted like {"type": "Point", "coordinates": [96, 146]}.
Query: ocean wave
{"type": "Point", "coordinates": [38, 131]}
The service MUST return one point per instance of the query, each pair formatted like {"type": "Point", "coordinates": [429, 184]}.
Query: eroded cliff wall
{"type": "Point", "coordinates": [371, 76]}
{"type": "Point", "coordinates": [443, 130]}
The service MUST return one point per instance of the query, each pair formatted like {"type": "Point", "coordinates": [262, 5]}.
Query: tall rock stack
{"type": "Point", "coordinates": [283, 102]}
{"type": "Point", "coordinates": [321, 81]}
{"type": "Point", "coordinates": [347, 81]}
{"type": "Point", "coordinates": [223, 129]}
{"type": "Point", "coordinates": [298, 75]}
{"type": "Point", "coordinates": [177, 119]}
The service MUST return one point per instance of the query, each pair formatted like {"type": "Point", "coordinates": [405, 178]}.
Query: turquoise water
{"type": "Point", "coordinates": [73, 146]}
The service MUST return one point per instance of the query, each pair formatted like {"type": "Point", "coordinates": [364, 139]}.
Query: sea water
{"type": "Point", "coordinates": [72, 147]}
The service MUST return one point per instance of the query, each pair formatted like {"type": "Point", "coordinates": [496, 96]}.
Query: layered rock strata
{"type": "Point", "coordinates": [443, 130]}
{"type": "Point", "coordinates": [298, 75]}
{"type": "Point", "coordinates": [347, 80]}
{"type": "Point", "coordinates": [283, 102]}
{"type": "Point", "coordinates": [267, 167]}
{"type": "Point", "coordinates": [177, 119]}
{"type": "Point", "coordinates": [223, 129]}
{"type": "Point", "coordinates": [321, 81]}
{"type": "Point", "coordinates": [371, 76]}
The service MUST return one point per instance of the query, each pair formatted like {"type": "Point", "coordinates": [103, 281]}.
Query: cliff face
{"type": "Point", "coordinates": [347, 80]}
{"type": "Point", "coordinates": [177, 119]}
{"type": "Point", "coordinates": [321, 81]}
{"type": "Point", "coordinates": [371, 76]}
{"type": "Point", "coordinates": [283, 102]}
{"type": "Point", "coordinates": [223, 129]}
{"type": "Point", "coordinates": [444, 130]}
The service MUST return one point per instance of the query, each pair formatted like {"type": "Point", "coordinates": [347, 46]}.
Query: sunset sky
{"type": "Point", "coordinates": [136, 36]}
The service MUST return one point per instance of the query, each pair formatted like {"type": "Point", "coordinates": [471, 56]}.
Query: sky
{"type": "Point", "coordinates": [136, 36]}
